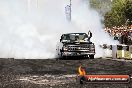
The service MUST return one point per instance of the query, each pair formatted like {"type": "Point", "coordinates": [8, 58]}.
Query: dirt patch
{"type": "Point", "coordinates": [48, 73]}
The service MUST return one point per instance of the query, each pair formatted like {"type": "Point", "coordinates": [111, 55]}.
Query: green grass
{"type": "Point", "coordinates": [127, 54]}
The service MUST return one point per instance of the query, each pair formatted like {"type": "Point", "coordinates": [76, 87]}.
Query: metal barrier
{"type": "Point", "coordinates": [118, 51]}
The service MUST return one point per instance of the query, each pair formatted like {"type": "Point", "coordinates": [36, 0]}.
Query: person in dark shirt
{"type": "Point", "coordinates": [89, 35]}
{"type": "Point", "coordinates": [122, 38]}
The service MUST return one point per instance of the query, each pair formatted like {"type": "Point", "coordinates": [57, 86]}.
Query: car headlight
{"type": "Point", "coordinates": [65, 48]}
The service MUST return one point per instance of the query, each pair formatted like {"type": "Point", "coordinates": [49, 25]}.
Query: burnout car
{"type": "Point", "coordinates": [75, 44]}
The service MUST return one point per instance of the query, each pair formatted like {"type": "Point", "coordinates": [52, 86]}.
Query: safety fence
{"type": "Point", "coordinates": [118, 51]}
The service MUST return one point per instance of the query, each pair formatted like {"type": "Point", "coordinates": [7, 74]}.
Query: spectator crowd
{"type": "Point", "coordinates": [123, 34]}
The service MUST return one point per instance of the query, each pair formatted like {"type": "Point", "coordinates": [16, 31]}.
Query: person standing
{"type": "Point", "coordinates": [89, 35]}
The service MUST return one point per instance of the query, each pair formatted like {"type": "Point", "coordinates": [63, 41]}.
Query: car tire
{"type": "Point", "coordinates": [91, 56]}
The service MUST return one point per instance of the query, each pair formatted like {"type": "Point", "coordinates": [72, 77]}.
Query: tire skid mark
{"type": "Point", "coordinates": [51, 80]}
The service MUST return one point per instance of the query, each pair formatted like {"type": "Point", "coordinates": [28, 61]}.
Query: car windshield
{"type": "Point", "coordinates": [75, 36]}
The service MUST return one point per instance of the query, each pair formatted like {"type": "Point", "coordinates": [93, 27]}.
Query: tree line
{"type": "Point", "coordinates": [120, 13]}
{"type": "Point", "coordinates": [117, 12]}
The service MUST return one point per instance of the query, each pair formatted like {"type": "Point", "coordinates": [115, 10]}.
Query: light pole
{"type": "Point", "coordinates": [70, 10]}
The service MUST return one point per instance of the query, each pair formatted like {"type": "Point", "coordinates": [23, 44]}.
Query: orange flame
{"type": "Point", "coordinates": [81, 71]}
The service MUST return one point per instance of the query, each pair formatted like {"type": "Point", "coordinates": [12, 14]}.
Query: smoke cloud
{"type": "Point", "coordinates": [32, 28]}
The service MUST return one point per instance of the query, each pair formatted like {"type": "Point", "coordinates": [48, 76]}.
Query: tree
{"type": "Point", "coordinates": [120, 12]}
{"type": "Point", "coordinates": [128, 12]}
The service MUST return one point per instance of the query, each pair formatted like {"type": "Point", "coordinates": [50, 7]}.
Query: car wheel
{"type": "Point", "coordinates": [91, 56]}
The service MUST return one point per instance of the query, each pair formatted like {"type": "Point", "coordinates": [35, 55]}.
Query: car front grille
{"type": "Point", "coordinates": [78, 47]}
